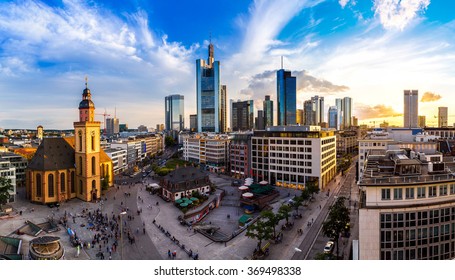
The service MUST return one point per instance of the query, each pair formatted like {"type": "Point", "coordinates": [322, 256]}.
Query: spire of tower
{"type": "Point", "coordinates": [86, 81]}
{"type": "Point", "coordinates": [211, 51]}
{"type": "Point", "coordinates": [281, 62]}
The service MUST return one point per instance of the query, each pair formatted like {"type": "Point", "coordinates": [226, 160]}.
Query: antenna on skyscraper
{"type": "Point", "coordinates": [115, 112]}
{"type": "Point", "coordinates": [281, 62]}
{"type": "Point", "coordinates": [86, 81]}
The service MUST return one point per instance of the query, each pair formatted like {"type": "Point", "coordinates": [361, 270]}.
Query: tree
{"type": "Point", "coordinates": [285, 212]}
{"type": "Point", "coordinates": [298, 201]}
{"type": "Point", "coordinates": [337, 220]}
{"type": "Point", "coordinates": [260, 230]}
{"type": "Point", "coordinates": [271, 219]}
{"type": "Point", "coordinates": [312, 187]}
{"type": "Point", "coordinates": [169, 141]}
{"type": "Point", "coordinates": [5, 188]}
{"type": "Point", "coordinates": [105, 182]}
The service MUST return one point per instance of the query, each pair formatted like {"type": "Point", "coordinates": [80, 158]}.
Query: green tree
{"type": "Point", "coordinates": [312, 187]}
{"type": "Point", "coordinates": [271, 219]}
{"type": "Point", "coordinates": [285, 212]}
{"type": "Point", "coordinates": [298, 201]}
{"type": "Point", "coordinates": [169, 141]}
{"type": "Point", "coordinates": [337, 220]}
{"type": "Point", "coordinates": [261, 230]}
{"type": "Point", "coordinates": [105, 182]}
{"type": "Point", "coordinates": [5, 188]}
{"type": "Point", "coordinates": [324, 256]}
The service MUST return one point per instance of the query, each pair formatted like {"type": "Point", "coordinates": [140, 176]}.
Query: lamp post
{"type": "Point", "coordinates": [121, 234]}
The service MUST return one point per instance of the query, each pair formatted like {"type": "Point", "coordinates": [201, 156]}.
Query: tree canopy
{"type": "Point", "coordinates": [5, 188]}
{"type": "Point", "coordinates": [337, 220]}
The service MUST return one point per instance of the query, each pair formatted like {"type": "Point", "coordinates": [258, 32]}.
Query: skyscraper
{"type": "Point", "coordinates": [443, 116]}
{"type": "Point", "coordinates": [422, 121]}
{"type": "Point", "coordinates": [268, 111]}
{"type": "Point", "coordinates": [174, 112]}
{"type": "Point", "coordinates": [339, 105]}
{"type": "Point", "coordinates": [223, 110]}
{"type": "Point", "coordinates": [112, 126]}
{"type": "Point", "coordinates": [193, 123]}
{"type": "Point", "coordinates": [300, 119]}
{"type": "Point", "coordinates": [347, 112]}
{"type": "Point", "coordinates": [286, 92]}
{"type": "Point", "coordinates": [260, 125]}
{"type": "Point", "coordinates": [308, 113]}
{"type": "Point", "coordinates": [318, 108]}
{"type": "Point", "coordinates": [411, 108]}
{"type": "Point", "coordinates": [333, 117]}
{"type": "Point", "coordinates": [209, 95]}
{"type": "Point", "coordinates": [242, 115]}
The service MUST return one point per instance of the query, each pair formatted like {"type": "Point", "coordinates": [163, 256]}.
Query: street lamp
{"type": "Point", "coordinates": [121, 234]}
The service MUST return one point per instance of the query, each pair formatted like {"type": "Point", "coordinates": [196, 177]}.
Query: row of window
{"type": "Point", "coordinates": [51, 187]}
{"type": "Point", "coordinates": [417, 192]}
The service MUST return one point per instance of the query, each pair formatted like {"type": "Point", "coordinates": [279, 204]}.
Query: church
{"type": "Point", "coordinates": [71, 167]}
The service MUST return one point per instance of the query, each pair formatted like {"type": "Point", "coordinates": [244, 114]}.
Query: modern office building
{"type": "Point", "coordinates": [259, 121]}
{"type": "Point", "coordinates": [290, 156]}
{"type": "Point", "coordinates": [443, 116]}
{"type": "Point", "coordinates": [210, 151]}
{"type": "Point", "coordinates": [174, 112]}
{"type": "Point", "coordinates": [411, 108]}
{"type": "Point", "coordinates": [318, 108]}
{"type": "Point", "coordinates": [308, 113]}
{"type": "Point", "coordinates": [211, 95]}
{"type": "Point", "coordinates": [240, 155]}
{"type": "Point", "coordinates": [422, 121]}
{"type": "Point", "coordinates": [19, 163]}
{"type": "Point", "coordinates": [339, 105]}
{"type": "Point", "coordinates": [300, 117]}
{"type": "Point", "coordinates": [347, 141]}
{"type": "Point", "coordinates": [119, 159]}
{"type": "Point", "coordinates": [407, 207]}
{"type": "Point", "coordinates": [242, 115]}
{"type": "Point", "coordinates": [112, 127]}
{"type": "Point", "coordinates": [347, 112]}
{"type": "Point", "coordinates": [333, 117]}
{"type": "Point", "coordinates": [223, 109]}
{"type": "Point", "coordinates": [268, 111]}
{"type": "Point", "coordinates": [193, 123]}
{"type": "Point", "coordinates": [287, 97]}
{"type": "Point", "coordinates": [8, 171]}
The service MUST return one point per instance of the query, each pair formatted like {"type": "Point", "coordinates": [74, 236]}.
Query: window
{"type": "Point", "coordinates": [409, 193]}
{"type": "Point", "coordinates": [421, 192]}
{"type": "Point", "coordinates": [432, 191]}
{"type": "Point", "coordinates": [398, 194]}
{"type": "Point", "coordinates": [50, 184]}
{"type": "Point", "coordinates": [442, 190]}
{"type": "Point", "coordinates": [452, 189]}
{"type": "Point", "coordinates": [39, 186]}
{"type": "Point", "coordinates": [80, 142]}
{"type": "Point", "coordinates": [80, 166]}
{"type": "Point", "coordinates": [73, 183]}
{"type": "Point", "coordinates": [80, 186]}
{"type": "Point", "coordinates": [93, 166]}
{"type": "Point", "coordinates": [385, 194]}
{"type": "Point", "coordinates": [62, 182]}
{"type": "Point", "coordinates": [93, 143]}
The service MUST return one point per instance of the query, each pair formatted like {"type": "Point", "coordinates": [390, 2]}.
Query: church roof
{"type": "Point", "coordinates": [104, 157]}
{"type": "Point", "coordinates": [53, 154]}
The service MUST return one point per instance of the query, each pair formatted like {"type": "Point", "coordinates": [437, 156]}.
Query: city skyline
{"type": "Point", "coordinates": [368, 50]}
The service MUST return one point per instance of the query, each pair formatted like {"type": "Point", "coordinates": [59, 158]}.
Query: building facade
{"type": "Point", "coordinates": [290, 156]}
{"type": "Point", "coordinates": [209, 95]}
{"type": "Point", "coordinates": [411, 108]}
{"type": "Point", "coordinates": [287, 97]}
{"type": "Point", "coordinates": [119, 159]}
{"type": "Point", "coordinates": [422, 121]}
{"type": "Point", "coordinates": [268, 111]}
{"type": "Point", "coordinates": [407, 209]}
{"type": "Point", "coordinates": [8, 171]}
{"type": "Point", "coordinates": [210, 151]}
{"type": "Point", "coordinates": [239, 155]}
{"type": "Point", "coordinates": [174, 112]}
{"type": "Point", "coordinates": [193, 123]}
{"type": "Point", "coordinates": [242, 115]}
{"type": "Point", "coordinates": [443, 116]}
{"type": "Point", "coordinates": [333, 117]}
{"type": "Point", "coordinates": [112, 127]}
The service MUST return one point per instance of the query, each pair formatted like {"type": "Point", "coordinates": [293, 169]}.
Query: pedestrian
{"type": "Point", "coordinates": [169, 254]}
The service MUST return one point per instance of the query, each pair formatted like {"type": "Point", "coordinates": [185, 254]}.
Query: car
{"type": "Point", "coordinates": [328, 248]}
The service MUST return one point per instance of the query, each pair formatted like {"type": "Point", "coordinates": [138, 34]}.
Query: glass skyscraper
{"type": "Point", "coordinates": [411, 108]}
{"type": "Point", "coordinates": [242, 115]}
{"type": "Point", "coordinates": [333, 117]}
{"type": "Point", "coordinates": [174, 119]}
{"type": "Point", "coordinates": [268, 111]}
{"type": "Point", "coordinates": [287, 97]}
{"type": "Point", "coordinates": [211, 95]}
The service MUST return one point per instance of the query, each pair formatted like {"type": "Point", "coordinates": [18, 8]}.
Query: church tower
{"type": "Point", "coordinates": [87, 150]}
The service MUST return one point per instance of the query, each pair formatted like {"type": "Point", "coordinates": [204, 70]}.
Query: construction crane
{"type": "Point", "coordinates": [104, 115]}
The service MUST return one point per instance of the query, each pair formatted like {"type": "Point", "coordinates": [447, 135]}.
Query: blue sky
{"type": "Point", "coordinates": [137, 52]}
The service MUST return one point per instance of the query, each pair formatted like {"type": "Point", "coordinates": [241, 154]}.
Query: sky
{"type": "Point", "coordinates": [136, 52]}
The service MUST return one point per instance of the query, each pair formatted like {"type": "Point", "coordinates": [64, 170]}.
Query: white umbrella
{"type": "Point", "coordinates": [263, 182]}
{"type": "Point", "coordinates": [243, 188]}
{"type": "Point", "coordinates": [248, 195]}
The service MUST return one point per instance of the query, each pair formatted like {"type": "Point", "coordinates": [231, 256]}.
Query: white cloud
{"type": "Point", "coordinates": [396, 14]}
{"type": "Point", "coordinates": [343, 3]}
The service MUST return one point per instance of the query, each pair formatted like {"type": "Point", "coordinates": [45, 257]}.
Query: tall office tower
{"type": "Point", "coordinates": [208, 92]}
{"type": "Point", "coordinates": [318, 108]}
{"type": "Point", "coordinates": [242, 115]}
{"type": "Point", "coordinates": [174, 112]}
{"type": "Point", "coordinates": [223, 110]}
{"type": "Point", "coordinates": [299, 117]}
{"type": "Point", "coordinates": [260, 124]}
{"type": "Point", "coordinates": [355, 121]}
{"type": "Point", "coordinates": [443, 116]}
{"type": "Point", "coordinates": [347, 112]}
{"type": "Point", "coordinates": [339, 105]}
{"type": "Point", "coordinates": [193, 123]}
{"type": "Point", "coordinates": [333, 117]}
{"type": "Point", "coordinates": [112, 126]}
{"type": "Point", "coordinates": [309, 113]}
{"type": "Point", "coordinates": [287, 97]}
{"type": "Point", "coordinates": [411, 108]}
{"type": "Point", "coordinates": [268, 111]}
{"type": "Point", "coordinates": [422, 121]}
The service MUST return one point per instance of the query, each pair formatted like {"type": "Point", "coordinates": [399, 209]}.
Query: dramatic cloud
{"type": "Point", "coordinates": [364, 111]}
{"type": "Point", "coordinates": [265, 84]}
{"type": "Point", "coordinates": [396, 14]}
{"type": "Point", "coordinates": [430, 97]}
